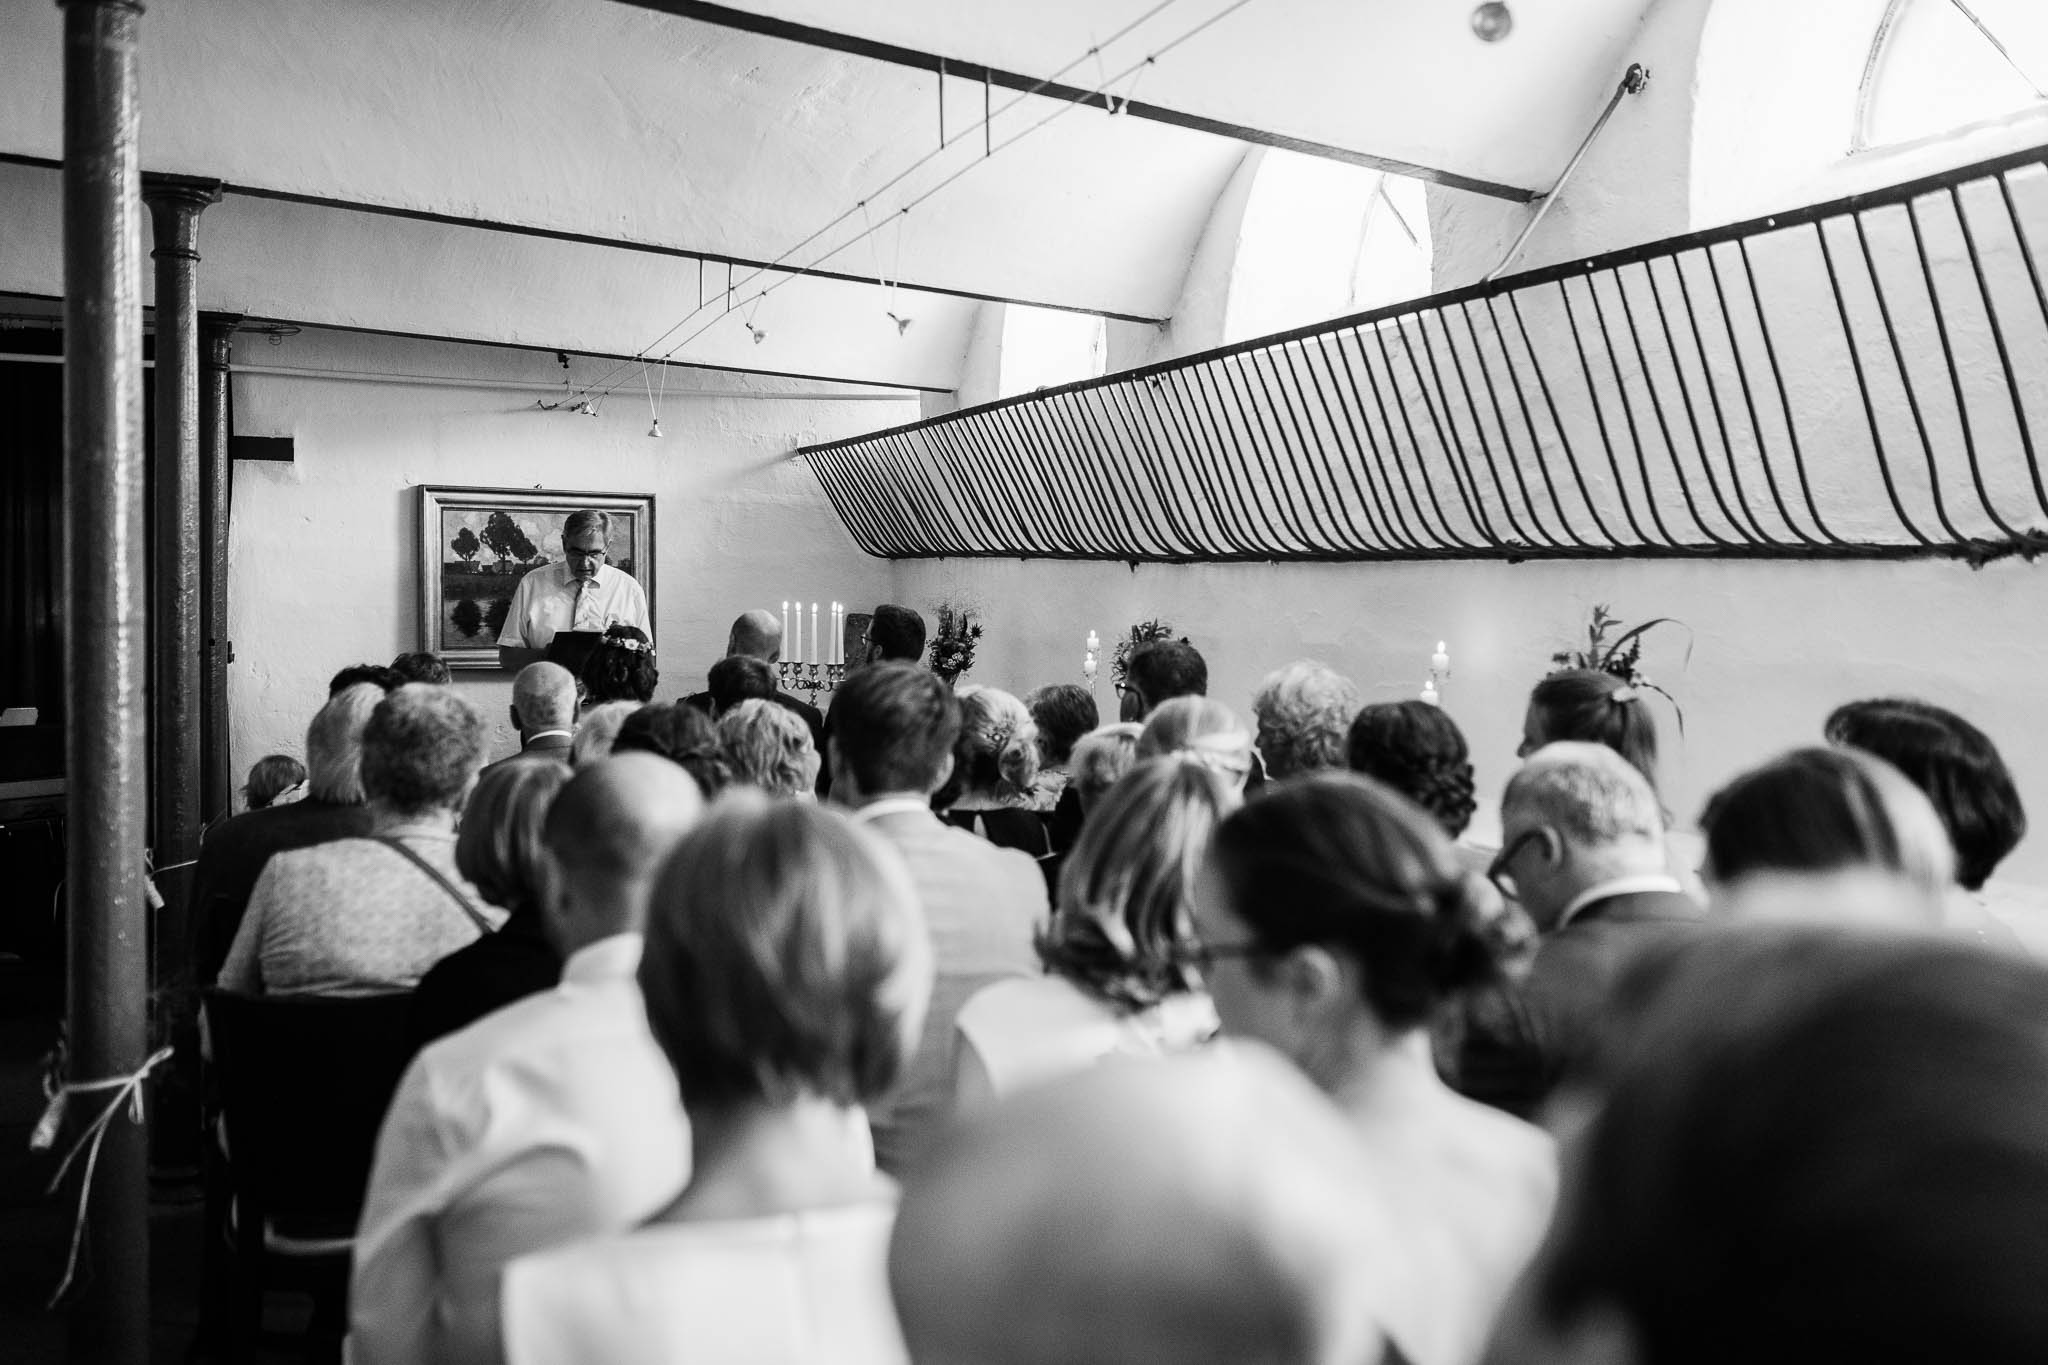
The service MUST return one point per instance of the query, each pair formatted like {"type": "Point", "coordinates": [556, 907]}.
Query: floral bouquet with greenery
{"type": "Point", "coordinates": [1621, 656]}
{"type": "Point", "coordinates": [1141, 634]}
{"type": "Point", "coordinates": [952, 648]}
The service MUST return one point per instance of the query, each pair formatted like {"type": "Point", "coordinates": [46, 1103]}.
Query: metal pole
{"type": "Point", "coordinates": [104, 628]}
{"type": "Point", "coordinates": [1632, 82]}
{"type": "Point", "coordinates": [216, 501]}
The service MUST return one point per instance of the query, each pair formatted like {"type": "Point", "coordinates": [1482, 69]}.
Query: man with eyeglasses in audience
{"type": "Point", "coordinates": [1582, 849]}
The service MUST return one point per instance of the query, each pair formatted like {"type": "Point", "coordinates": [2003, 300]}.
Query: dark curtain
{"type": "Point", "coordinates": [32, 529]}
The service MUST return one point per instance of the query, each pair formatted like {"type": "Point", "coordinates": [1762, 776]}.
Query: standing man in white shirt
{"type": "Point", "coordinates": [553, 1119]}
{"type": "Point", "coordinates": [582, 592]}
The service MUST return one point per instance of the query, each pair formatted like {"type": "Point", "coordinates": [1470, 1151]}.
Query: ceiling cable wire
{"type": "Point", "coordinates": [611, 379]}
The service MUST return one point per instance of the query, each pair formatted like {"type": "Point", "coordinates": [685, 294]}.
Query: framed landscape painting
{"type": "Point", "coordinates": [477, 543]}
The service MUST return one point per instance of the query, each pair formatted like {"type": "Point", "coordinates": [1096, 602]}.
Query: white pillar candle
{"type": "Point", "coordinates": [1429, 693]}
{"type": "Point", "coordinates": [832, 641]}
{"type": "Point", "coordinates": [785, 628]}
{"type": "Point", "coordinates": [1441, 660]}
{"type": "Point", "coordinates": [815, 658]}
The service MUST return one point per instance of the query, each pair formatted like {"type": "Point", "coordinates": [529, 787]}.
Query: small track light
{"type": "Point", "coordinates": [655, 430]}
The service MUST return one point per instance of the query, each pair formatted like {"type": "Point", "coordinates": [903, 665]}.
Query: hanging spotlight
{"type": "Point", "coordinates": [1492, 21]}
{"type": "Point", "coordinates": [760, 334]}
{"type": "Point", "coordinates": [902, 324]}
{"type": "Point", "coordinates": [655, 430]}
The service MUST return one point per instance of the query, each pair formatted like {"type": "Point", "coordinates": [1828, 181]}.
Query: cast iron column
{"type": "Point", "coordinates": [216, 501]}
{"type": "Point", "coordinates": [104, 628]}
{"type": "Point", "coordinates": [175, 202]}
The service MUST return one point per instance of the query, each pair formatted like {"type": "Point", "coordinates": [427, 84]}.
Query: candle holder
{"type": "Point", "coordinates": [1439, 674]}
{"type": "Point", "coordinates": [812, 679]}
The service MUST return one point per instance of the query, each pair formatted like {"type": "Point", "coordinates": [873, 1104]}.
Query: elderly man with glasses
{"type": "Point", "coordinates": [581, 592]}
{"type": "Point", "coordinates": [1582, 849]}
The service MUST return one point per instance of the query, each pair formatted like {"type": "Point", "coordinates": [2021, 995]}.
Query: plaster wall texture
{"type": "Point", "coordinates": [323, 552]}
{"type": "Point", "coordinates": [1774, 647]}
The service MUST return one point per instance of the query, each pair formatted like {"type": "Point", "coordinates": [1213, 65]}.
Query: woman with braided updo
{"type": "Point", "coordinates": [620, 668]}
{"type": "Point", "coordinates": [994, 763]}
{"type": "Point", "coordinates": [1418, 750]}
{"type": "Point", "coordinates": [1596, 707]}
{"type": "Point", "coordinates": [1335, 922]}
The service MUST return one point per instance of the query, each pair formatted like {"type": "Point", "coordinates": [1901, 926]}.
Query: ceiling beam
{"type": "Point", "coordinates": [724, 16]}
{"type": "Point", "coordinates": [614, 243]}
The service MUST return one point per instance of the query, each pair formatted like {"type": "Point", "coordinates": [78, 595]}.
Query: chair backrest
{"type": "Point", "coordinates": [304, 1083]}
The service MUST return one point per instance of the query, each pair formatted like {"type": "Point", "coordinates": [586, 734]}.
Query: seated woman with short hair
{"type": "Point", "coordinates": [359, 916]}
{"type": "Point", "coordinates": [1120, 979]}
{"type": "Point", "coordinates": [767, 745]}
{"type": "Point", "coordinates": [786, 974]}
{"type": "Point", "coordinates": [1829, 835]}
{"type": "Point", "coordinates": [1335, 923]}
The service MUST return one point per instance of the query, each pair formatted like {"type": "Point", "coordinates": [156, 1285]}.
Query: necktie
{"type": "Point", "coordinates": [576, 604]}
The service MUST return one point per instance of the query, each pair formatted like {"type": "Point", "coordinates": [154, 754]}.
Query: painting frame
{"type": "Point", "coordinates": [449, 578]}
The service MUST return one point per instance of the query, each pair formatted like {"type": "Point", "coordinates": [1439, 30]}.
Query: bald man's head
{"type": "Point", "coordinates": [758, 635]}
{"type": "Point", "coordinates": [1208, 1208]}
{"type": "Point", "coordinates": [544, 698]}
{"type": "Point", "coordinates": [606, 835]}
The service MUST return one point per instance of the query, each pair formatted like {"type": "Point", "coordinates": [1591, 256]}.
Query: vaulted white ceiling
{"type": "Point", "coordinates": [635, 142]}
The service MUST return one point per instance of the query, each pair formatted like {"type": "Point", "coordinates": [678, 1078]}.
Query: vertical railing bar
{"type": "Point", "coordinates": [1081, 430]}
{"type": "Point", "coordinates": [1328, 457]}
{"type": "Point", "coordinates": [851, 510]}
{"type": "Point", "coordinates": [1753, 534]}
{"type": "Point", "coordinates": [1564, 437]}
{"type": "Point", "coordinates": [1517, 534]}
{"type": "Point", "coordinates": [862, 471]}
{"type": "Point", "coordinates": [1447, 440]}
{"type": "Point", "coordinates": [1325, 521]}
{"type": "Point", "coordinates": [1884, 467]}
{"type": "Point", "coordinates": [925, 516]}
{"type": "Point", "coordinates": [1373, 459]}
{"type": "Point", "coordinates": [1628, 410]}
{"type": "Point", "coordinates": [1144, 442]}
{"type": "Point", "coordinates": [1450, 537]}
{"type": "Point", "coordinates": [1035, 528]}
{"type": "Point", "coordinates": [2041, 297]}
{"type": "Point", "coordinates": [1202, 445]}
{"type": "Point", "coordinates": [1500, 337]}
{"type": "Point", "coordinates": [1051, 465]}
{"type": "Point", "coordinates": [961, 475]}
{"type": "Point", "coordinates": [1749, 402]}
{"type": "Point", "coordinates": [1699, 342]}
{"type": "Point", "coordinates": [1018, 447]}
{"type": "Point", "coordinates": [1538, 534]}
{"type": "Point", "coordinates": [1600, 414]}
{"type": "Point", "coordinates": [1377, 508]}
{"type": "Point", "coordinates": [1884, 312]}
{"type": "Point", "coordinates": [1219, 404]}
{"type": "Point", "coordinates": [1011, 528]}
{"type": "Point", "coordinates": [1998, 340]}
{"type": "Point", "coordinates": [1628, 312]}
{"type": "Point", "coordinates": [1262, 437]}
{"type": "Point", "coordinates": [932, 469]}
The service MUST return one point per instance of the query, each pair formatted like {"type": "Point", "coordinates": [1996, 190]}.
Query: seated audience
{"type": "Point", "coordinates": [620, 667]}
{"type": "Point", "coordinates": [769, 747]}
{"type": "Point", "coordinates": [757, 634]}
{"type": "Point", "coordinates": [895, 634]}
{"type": "Point", "coordinates": [681, 734]}
{"type": "Point", "coordinates": [1827, 835]}
{"type": "Point", "coordinates": [552, 1119]}
{"type": "Point", "coordinates": [735, 679]}
{"type": "Point", "coordinates": [385, 679]}
{"type": "Point", "coordinates": [1815, 1147]}
{"type": "Point", "coordinates": [597, 731]}
{"type": "Point", "coordinates": [1160, 670]}
{"type": "Point", "coordinates": [543, 712]}
{"type": "Point", "coordinates": [1960, 770]}
{"type": "Point", "coordinates": [1417, 749]}
{"type": "Point", "coordinates": [1064, 714]}
{"type": "Point", "coordinates": [892, 741]}
{"type": "Point", "coordinates": [1582, 849]}
{"type": "Point", "coordinates": [362, 915]}
{"type": "Point", "coordinates": [1592, 707]}
{"type": "Point", "coordinates": [1119, 953]}
{"type": "Point", "coordinates": [498, 851]}
{"type": "Point", "coordinates": [995, 761]}
{"type": "Point", "coordinates": [236, 853]}
{"type": "Point", "coordinates": [1209, 1209]}
{"type": "Point", "coordinates": [421, 667]}
{"type": "Point", "coordinates": [1303, 713]}
{"type": "Point", "coordinates": [274, 780]}
{"type": "Point", "coordinates": [786, 974]}
{"type": "Point", "coordinates": [1101, 759]}
{"type": "Point", "coordinates": [1336, 922]}
{"type": "Point", "coordinates": [1204, 729]}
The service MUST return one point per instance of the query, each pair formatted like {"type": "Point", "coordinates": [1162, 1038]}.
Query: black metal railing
{"type": "Point", "coordinates": [1863, 378]}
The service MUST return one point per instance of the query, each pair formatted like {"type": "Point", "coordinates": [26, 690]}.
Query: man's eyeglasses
{"type": "Point", "coordinates": [1497, 871]}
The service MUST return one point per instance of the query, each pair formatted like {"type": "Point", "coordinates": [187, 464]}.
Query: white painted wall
{"type": "Point", "coordinates": [323, 552]}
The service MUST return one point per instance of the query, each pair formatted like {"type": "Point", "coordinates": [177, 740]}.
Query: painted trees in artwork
{"type": "Point", "coordinates": [466, 547]}
{"type": "Point", "coordinates": [502, 535]}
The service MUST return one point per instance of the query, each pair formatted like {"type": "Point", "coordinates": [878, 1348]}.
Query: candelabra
{"type": "Point", "coordinates": [811, 678]}
{"type": "Point", "coordinates": [1439, 674]}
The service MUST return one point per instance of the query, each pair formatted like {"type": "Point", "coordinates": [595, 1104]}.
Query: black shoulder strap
{"type": "Point", "coordinates": [483, 926]}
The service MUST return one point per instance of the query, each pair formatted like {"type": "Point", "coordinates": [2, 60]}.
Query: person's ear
{"type": "Point", "coordinates": [945, 772]}
{"type": "Point", "coordinates": [1312, 980]}
{"type": "Point", "coordinates": [513, 712]}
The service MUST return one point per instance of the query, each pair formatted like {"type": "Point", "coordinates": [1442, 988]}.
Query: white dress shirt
{"type": "Point", "coordinates": [546, 601]}
{"type": "Point", "coordinates": [553, 1119]}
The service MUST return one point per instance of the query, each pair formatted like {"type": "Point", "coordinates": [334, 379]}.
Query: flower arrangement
{"type": "Point", "coordinates": [952, 648]}
{"type": "Point", "coordinates": [1621, 656]}
{"type": "Point", "coordinates": [1140, 634]}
